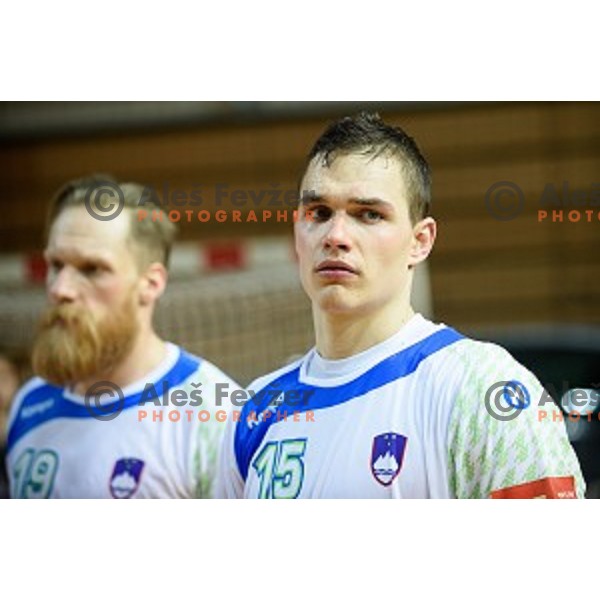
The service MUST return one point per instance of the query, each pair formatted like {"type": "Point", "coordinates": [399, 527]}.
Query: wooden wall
{"type": "Point", "coordinates": [484, 271]}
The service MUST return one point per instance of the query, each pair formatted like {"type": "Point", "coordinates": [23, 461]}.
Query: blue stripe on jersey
{"type": "Point", "coordinates": [53, 405]}
{"type": "Point", "coordinates": [251, 431]}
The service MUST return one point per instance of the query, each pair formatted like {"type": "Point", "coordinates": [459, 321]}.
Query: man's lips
{"type": "Point", "coordinates": [335, 267]}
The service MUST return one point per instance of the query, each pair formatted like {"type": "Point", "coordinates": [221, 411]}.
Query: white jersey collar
{"type": "Point", "coordinates": [317, 370]}
{"type": "Point", "coordinates": [158, 373]}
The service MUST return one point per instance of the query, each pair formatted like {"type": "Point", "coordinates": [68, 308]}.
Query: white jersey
{"type": "Point", "coordinates": [159, 440]}
{"type": "Point", "coordinates": [412, 417]}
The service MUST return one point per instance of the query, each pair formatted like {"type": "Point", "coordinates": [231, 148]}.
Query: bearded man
{"type": "Point", "coordinates": [76, 430]}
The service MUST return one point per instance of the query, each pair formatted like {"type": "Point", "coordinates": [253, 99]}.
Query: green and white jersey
{"type": "Point", "coordinates": [417, 416]}
{"type": "Point", "coordinates": [159, 440]}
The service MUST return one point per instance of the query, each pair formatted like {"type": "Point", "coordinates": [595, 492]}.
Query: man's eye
{"type": "Point", "coordinates": [371, 216]}
{"type": "Point", "coordinates": [55, 266]}
{"type": "Point", "coordinates": [319, 214]}
{"type": "Point", "coordinates": [90, 269]}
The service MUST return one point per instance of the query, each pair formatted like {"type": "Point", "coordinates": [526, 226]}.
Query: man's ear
{"type": "Point", "coordinates": [424, 233]}
{"type": "Point", "coordinates": [153, 283]}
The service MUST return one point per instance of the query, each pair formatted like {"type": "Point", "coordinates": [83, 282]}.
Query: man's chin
{"type": "Point", "coordinates": [336, 299]}
{"type": "Point", "coordinates": [63, 361]}
{"type": "Point", "coordinates": [62, 374]}
{"type": "Point", "coordinates": [83, 349]}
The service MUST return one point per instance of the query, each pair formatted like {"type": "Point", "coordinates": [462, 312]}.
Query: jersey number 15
{"type": "Point", "coordinates": [280, 468]}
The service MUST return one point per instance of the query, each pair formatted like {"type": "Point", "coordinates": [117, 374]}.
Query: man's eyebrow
{"type": "Point", "coordinates": [308, 197]}
{"type": "Point", "coordinates": [370, 202]}
{"type": "Point", "coordinates": [74, 254]}
{"type": "Point", "coordinates": [311, 197]}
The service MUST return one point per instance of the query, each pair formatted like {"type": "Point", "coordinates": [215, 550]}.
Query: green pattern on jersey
{"type": "Point", "coordinates": [486, 454]}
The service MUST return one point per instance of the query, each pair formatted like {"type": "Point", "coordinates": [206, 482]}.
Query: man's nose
{"type": "Point", "coordinates": [338, 233]}
{"type": "Point", "coordinates": [62, 285]}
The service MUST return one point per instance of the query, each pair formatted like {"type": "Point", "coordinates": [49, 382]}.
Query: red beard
{"type": "Point", "coordinates": [72, 346]}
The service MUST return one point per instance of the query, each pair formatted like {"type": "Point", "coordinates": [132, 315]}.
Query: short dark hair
{"type": "Point", "coordinates": [153, 238]}
{"type": "Point", "coordinates": [366, 133]}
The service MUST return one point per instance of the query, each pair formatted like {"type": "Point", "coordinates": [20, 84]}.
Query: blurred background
{"type": "Point", "coordinates": [234, 295]}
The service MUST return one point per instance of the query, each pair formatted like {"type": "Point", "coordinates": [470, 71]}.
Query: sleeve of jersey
{"type": "Point", "coordinates": [211, 429]}
{"type": "Point", "coordinates": [498, 444]}
{"type": "Point", "coordinates": [229, 483]}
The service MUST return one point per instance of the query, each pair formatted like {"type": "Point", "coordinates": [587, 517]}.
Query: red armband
{"type": "Point", "coordinates": [549, 487]}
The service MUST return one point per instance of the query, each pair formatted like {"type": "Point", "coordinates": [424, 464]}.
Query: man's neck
{"type": "Point", "coordinates": [343, 335]}
{"type": "Point", "coordinates": [146, 355]}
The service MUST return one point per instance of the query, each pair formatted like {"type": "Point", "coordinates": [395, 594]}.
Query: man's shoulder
{"type": "Point", "coordinates": [476, 355]}
{"type": "Point", "coordinates": [482, 371]}
{"type": "Point", "coordinates": [470, 364]}
{"type": "Point", "coordinates": [33, 389]}
{"type": "Point", "coordinates": [33, 403]}
{"type": "Point", "coordinates": [471, 357]}
{"type": "Point", "coordinates": [204, 369]}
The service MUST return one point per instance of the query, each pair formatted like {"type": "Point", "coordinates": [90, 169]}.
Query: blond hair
{"type": "Point", "coordinates": [152, 238]}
